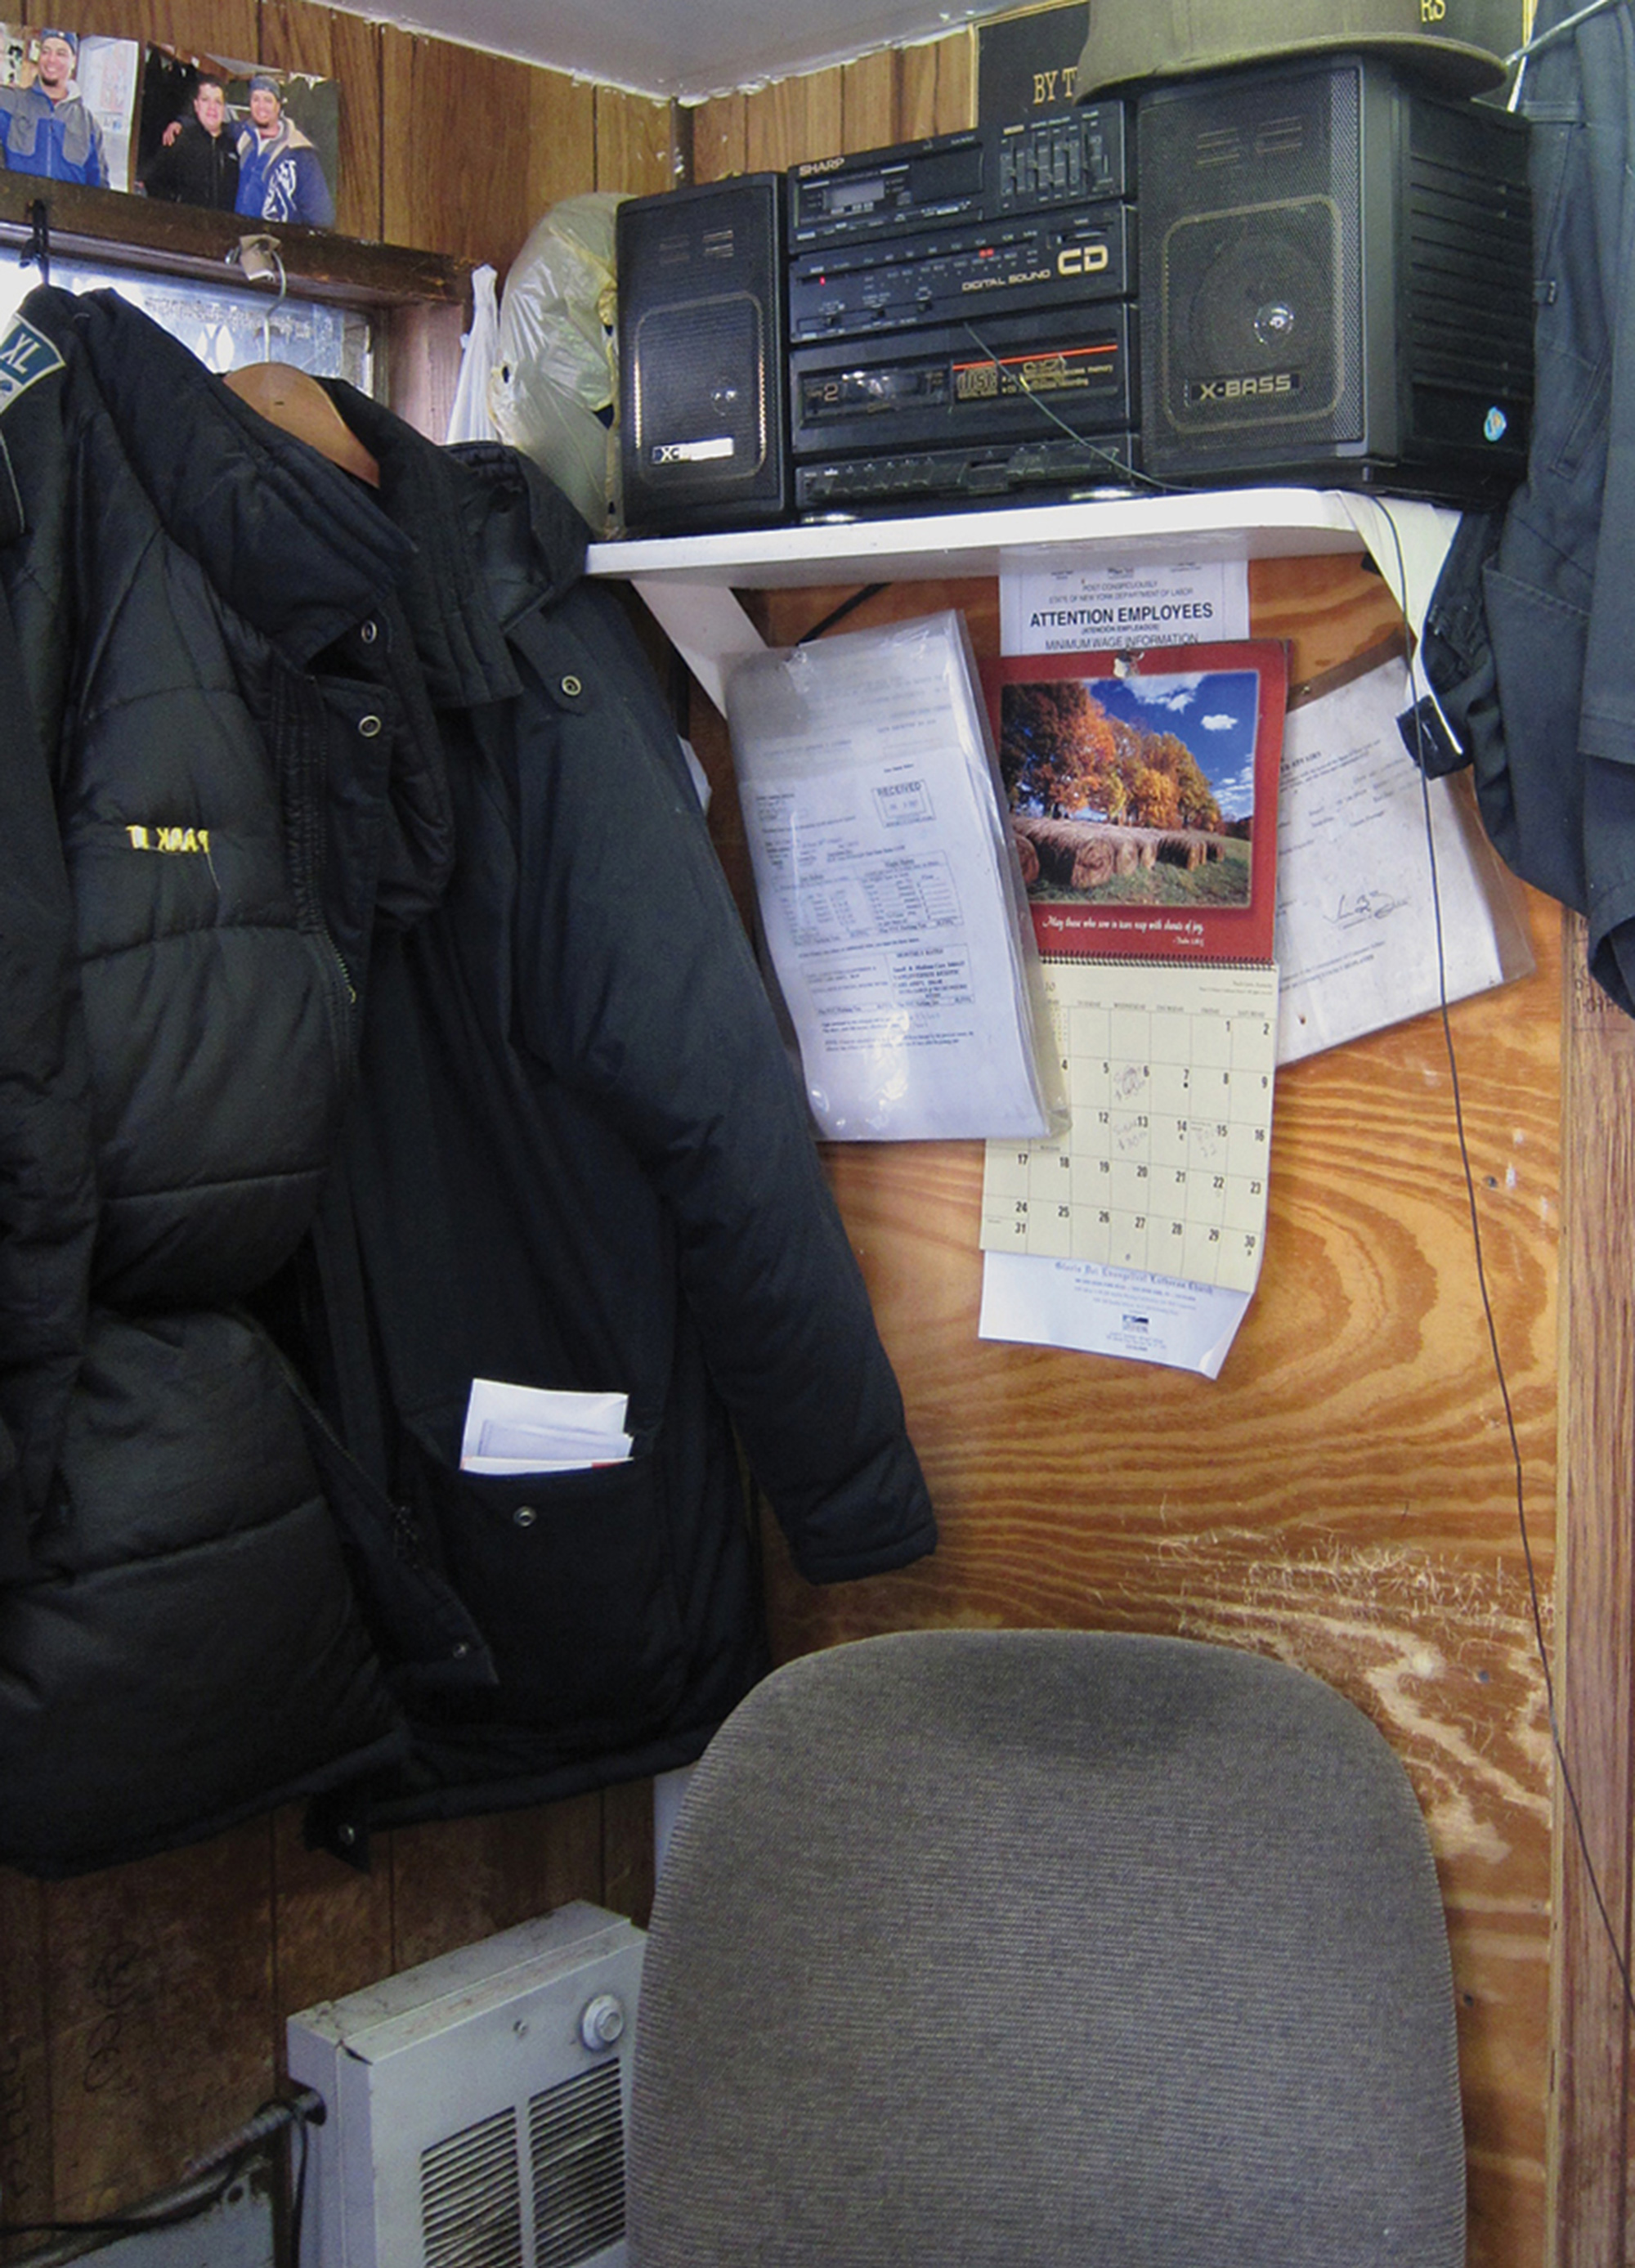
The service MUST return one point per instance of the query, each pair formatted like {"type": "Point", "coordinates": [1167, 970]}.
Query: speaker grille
{"type": "Point", "coordinates": [1253, 193]}
{"type": "Point", "coordinates": [698, 398]}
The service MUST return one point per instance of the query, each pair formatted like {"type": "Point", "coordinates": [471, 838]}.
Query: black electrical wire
{"type": "Point", "coordinates": [1557, 1744]}
{"type": "Point", "coordinates": [838, 613]}
{"type": "Point", "coordinates": [207, 2183]}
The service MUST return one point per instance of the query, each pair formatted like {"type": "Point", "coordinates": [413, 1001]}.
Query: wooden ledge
{"type": "Point", "coordinates": [193, 241]}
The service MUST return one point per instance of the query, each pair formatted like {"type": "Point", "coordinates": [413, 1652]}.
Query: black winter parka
{"type": "Point", "coordinates": [578, 1158]}
{"type": "Point", "coordinates": [387, 983]}
{"type": "Point", "coordinates": [210, 825]}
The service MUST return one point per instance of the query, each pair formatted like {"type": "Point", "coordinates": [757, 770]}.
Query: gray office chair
{"type": "Point", "coordinates": [985, 1949]}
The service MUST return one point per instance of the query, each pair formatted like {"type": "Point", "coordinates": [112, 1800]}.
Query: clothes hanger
{"type": "Point", "coordinates": [292, 398]}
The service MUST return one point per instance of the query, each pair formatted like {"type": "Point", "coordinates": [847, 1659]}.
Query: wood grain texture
{"type": "Point", "coordinates": [720, 138]}
{"type": "Point", "coordinates": [26, 2188]}
{"type": "Point", "coordinates": [399, 207]}
{"type": "Point", "coordinates": [869, 101]}
{"type": "Point", "coordinates": [225, 28]}
{"type": "Point", "coordinates": [422, 346]}
{"type": "Point", "coordinates": [558, 158]}
{"type": "Point", "coordinates": [1591, 2106]}
{"type": "Point", "coordinates": [331, 1924]}
{"type": "Point", "coordinates": [296, 36]}
{"type": "Point", "coordinates": [634, 142]}
{"type": "Point", "coordinates": [456, 1880]}
{"type": "Point", "coordinates": [956, 81]}
{"type": "Point", "coordinates": [892, 95]}
{"type": "Point", "coordinates": [160, 1987]}
{"type": "Point", "coordinates": [628, 1849]}
{"type": "Point", "coordinates": [573, 1851]}
{"type": "Point", "coordinates": [792, 120]}
{"type": "Point", "coordinates": [1343, 1497]}
{"type": "Point", "coordinates": [475, 147]}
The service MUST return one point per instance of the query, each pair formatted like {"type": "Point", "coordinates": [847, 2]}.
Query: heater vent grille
{"type": "Point", "coordinates": [471, 2197]}
{"type": "Point", "coordinates": [575, 2140]}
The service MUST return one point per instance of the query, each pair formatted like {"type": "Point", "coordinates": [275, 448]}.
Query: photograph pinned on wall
{"type": "Point", "coordinates": [1143, 791]}
{"type": "Point", "coordinates": [68, 104]}
{"type": "Point", "coordinates": [218, 131]}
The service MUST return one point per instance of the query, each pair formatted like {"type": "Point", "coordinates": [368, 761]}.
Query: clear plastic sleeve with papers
{"type": "Point", "coordinates": [889, 886]}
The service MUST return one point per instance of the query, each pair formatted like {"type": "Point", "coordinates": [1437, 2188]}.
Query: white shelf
{"type": "Point", "coordinates": [690, 582]}
{"type": "Point", "coordinates": [1265, 523]}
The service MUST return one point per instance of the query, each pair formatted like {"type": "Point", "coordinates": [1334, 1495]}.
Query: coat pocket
{"type": "Point", "coordinates": [567, 1576]}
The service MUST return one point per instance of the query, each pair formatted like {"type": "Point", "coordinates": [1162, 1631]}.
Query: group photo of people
{"type": "Point", "coordinates": [183, 128]}
{"type": "Point", "coordinates": [258, 143]}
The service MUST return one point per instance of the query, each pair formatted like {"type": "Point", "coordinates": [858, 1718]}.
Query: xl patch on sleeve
{"type": "Point", "coordinates": [27, 355]}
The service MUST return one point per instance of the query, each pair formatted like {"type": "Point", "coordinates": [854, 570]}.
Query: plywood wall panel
{"type": "Point", "coordinates": [477, 146]}
{"type": "Point", "coordinates": [869, 105]}
{"type": "Point", "coordinates": [956, 81]}
{"type": "Point", "coordinates": [229, 29]}
{"type": "Point", "coordinates": [558, 158]}
{"type": "Point", "coordinates": [398, 160]}
{"type": "Point", "coordinates": [916, 92]}
{"type": "Point", "coordinates": [720, 138]}
{"type": "Point", "coordinates": [160, 1990]}
{"type": "Point", "coordinates": [573, 1851]}
{"type": "Point", "coordinates": [893, 95]}
{"type": "Point", "coordinates": [635, 144]}
{"type": "Point", "coordinates": [628, 1849]}
{"type": "Point", "coordinates": [26, 2182]}
{"type": "Point", "coordinates": [792, 120]}
{"type": "Point", "coordinates": [332, 1924]}
{"type": "Point", "coordinates": [1343, 1496]}
{"type": "Point", "coordinates": [1592, 2104]}
{"type": "Point", "coordinates": [456, 1880]}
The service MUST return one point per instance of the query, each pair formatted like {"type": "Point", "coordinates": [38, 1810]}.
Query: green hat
{"type": "Point", "coordinates": [1459, 45]}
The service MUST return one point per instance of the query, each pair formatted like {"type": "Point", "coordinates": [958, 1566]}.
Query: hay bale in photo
{"type": "Point", "coordinates": [1180, 847]}
{"type": "Point", "coordinates": [1073, 853]}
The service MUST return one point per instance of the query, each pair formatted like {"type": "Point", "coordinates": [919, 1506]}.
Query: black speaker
{"type": "Point", "coordinates": [1336, 282]}
{"type": "Point", "coordinates": [703, 389]}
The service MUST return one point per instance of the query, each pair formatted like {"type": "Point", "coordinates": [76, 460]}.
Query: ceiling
{"type": "Point", "coordinates": [689, 49]}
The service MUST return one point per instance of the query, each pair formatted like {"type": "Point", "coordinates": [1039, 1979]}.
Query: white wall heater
{"type": "Point", "coordinates": [476, 2105]}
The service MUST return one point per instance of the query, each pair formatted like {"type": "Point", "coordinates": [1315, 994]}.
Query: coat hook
{"type": "Point", "coordinates": [38, 248]}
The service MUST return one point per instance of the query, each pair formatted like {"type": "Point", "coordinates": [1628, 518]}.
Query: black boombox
{"type": "Point", "coordinates": [1317, 271]}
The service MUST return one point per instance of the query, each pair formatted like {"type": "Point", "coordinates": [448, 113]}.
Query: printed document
{"type": "Point", "coordinates": [1357, 942]}
{"type": "Point", "coordinates": [889, 886]}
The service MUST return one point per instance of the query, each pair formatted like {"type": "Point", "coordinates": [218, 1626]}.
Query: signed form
{"type": "Point", "coordinates": [1357, 917]}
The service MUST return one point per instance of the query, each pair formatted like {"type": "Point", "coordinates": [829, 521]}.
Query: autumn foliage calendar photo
{"type": "Point", "coordinates": [1143, 793]}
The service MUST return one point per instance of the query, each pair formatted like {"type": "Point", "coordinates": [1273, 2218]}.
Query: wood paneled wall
{"type": "Point", "coordinates": [1343, 1497]}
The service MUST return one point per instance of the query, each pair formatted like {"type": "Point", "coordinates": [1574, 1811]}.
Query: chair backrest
{"type": "Point", "coordinates": [1046, 1948]}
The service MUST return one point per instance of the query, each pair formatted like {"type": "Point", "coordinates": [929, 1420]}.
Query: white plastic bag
{"type": "Point", "coordinates": [469, 419]}
{"type": "Point", "coordinates": [554, 380]}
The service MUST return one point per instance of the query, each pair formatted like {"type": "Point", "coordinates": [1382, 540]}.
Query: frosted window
{"type": "Point", "coordinates": [225, 325]}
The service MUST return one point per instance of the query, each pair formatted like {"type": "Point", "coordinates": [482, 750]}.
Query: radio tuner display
{"type": "Point", "coordinates": [975, 176]}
